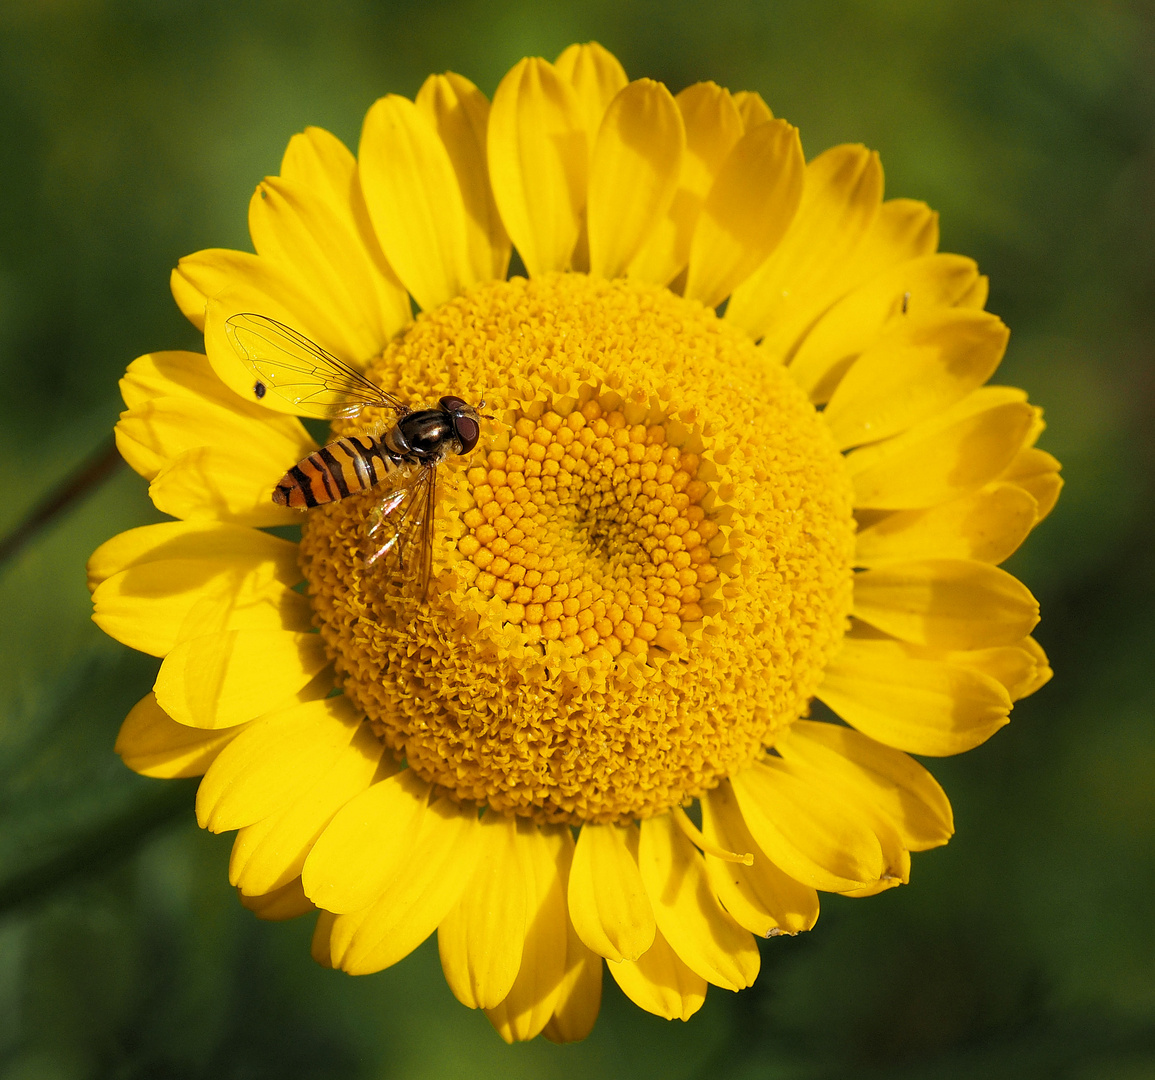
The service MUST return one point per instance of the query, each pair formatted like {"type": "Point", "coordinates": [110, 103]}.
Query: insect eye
{"type": "Point", "coordinates": [452, 404]}
{"type": "Point", "coordinates": [468, 430]}
{"type": "Point", "coordinates": [259, 390]}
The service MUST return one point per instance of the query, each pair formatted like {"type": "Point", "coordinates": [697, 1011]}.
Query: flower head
{"type": "Point", "coordinates": [684, 524]}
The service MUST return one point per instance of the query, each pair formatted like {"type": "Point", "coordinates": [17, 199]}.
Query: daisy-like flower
{"type": "Point", "coordinates": [743, 459]}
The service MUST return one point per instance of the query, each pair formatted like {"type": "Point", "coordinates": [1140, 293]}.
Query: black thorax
{"type": "Point", "coordinates": [427, 435]}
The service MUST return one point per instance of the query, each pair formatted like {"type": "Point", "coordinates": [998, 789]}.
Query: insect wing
{"type": "Point", "coordinates": [399, 539]}
{"type": "Point", "coordinates": [305, 375]}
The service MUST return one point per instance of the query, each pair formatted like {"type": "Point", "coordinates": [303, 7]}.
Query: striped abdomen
{"type": "Point", "coordinates": [342, 468]}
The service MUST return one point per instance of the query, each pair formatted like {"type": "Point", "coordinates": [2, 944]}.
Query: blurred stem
{"type": "Point", "coordinates": [97, 848]}
{"type": "Point", "coordinates": [92, 472]}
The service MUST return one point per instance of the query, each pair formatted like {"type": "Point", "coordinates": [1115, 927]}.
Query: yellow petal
{"type": "Point", "coordinates": [144, 608]}
{"type": "Point", "coordinates": [1038, 426]}
{"type": "Point", "coordinates": [287, 902]}
{"type": "Point", "coordinates": [661, 983]}
{"type": "Point", "coordinates": [153, 744]}
{"type": "Point", "coordinates": [921, 705]}
{"type": "Point", "coordinates": [211, 483]}
{"type": "Point", "coordinates": [850, 791]}
{"type": "Point", "coordinates": [712, 126]}
{"type": "Point", "coordinates": [245, 282]}
{"type": "Point", "coordinates": [579, 995]}
{"type": "Point", "coordinates": [480, 940]}
{"type": "Point", "coordinates": [750, 206]}
{"type": "Point", "coordinates": [976, 296]}
{"type": "Point", "coordinates": [760, 897]}
{"type": "Point", "coordinates": [910, 798]}
{"type": "Point", "coordinates": [633, 173]}
{"type": "Point", "coordinates": [900, 875]}
{"type": "Point", "coordinates": [171, 425]}
{"type": "Point", "coordinates": [156, 432]}
{"type": "Point", "coordinates": [214, 544]}
{"type": "Point", "coordinates": [861, 797]}
{"type": "Point", "coordinates": [272, 761]}
{"type": "Point", "coordinates": [579, 998]}
{"type": "Point", "coordinates": [179, 374]}
{"type": "Point", "coordinates": [924, 365]}
{"type": "Point", "coordinates": [176, 402]}
{"type": "Point", "coordinates": [538, 163]}
{"type": "Point", "coordinates": [705, 845]}
{"type": "Point", "coordinates": [1043, 672]}
{"type": "Point", "coordinates": [192, 286]}
{"type": "Point", "coordinates": [949, 603]}
{"type": "Point", "coordinates": [322, 164]}
{"type": "Point", "coordinates": [687, 912]}
{"type": "Point", "coordinates": [1015, 666]}
{"type": "Point", "coordinates": [904, 229]}
{"type": "Point", "coordinates": [530, 1002]}
{"type": "Point", "coordinates": [941, 459]}
{"type": "Point", "coordinates": [459, 112]}
{"type": "Point", "coordinates": [841, 196]}
{"type": "Point", "coordinates": [1037, 473]}
{"type": "Point", "coordinates": [814, 839]}
{"type": "Point", "coordinates": [321, 947]}
{"type": "Point", "coordinates": [366, 843]}
{"type": "Point", "coordinates": [420, 895]}
{"type": "Point", "coordinates": [608, 904]}
{"type": "Point", "coordinates": [596, 76]}
{"type": "Point", "coordinates": [276, 608]}
{"type": "Point", "coordinates": [220, 679]}
{"type": "Point", "coordinates": [297, 227]}
{"type": "Point", "coordinates": [856, 322]}
{"type": "Point", "coordinates": [752, 108]}
{"type": "Point", "coordinates": [987, 526]}
{"type": "Point", "coordinates": [232, 368]}
{"type": "Point", "coordinates": [187, 400]}
{"type": "Point", "coordinates": [271, 852]}
{"type": "Point", "coordinates": [414, 201]}
{"type": "Point", "coordinates": [145, 605]}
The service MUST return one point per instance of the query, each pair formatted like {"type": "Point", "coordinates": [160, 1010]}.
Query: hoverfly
{"type": "Point", "coordinates": [401, 459]}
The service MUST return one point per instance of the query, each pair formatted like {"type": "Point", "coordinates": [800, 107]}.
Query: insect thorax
{"type": "Point", "coordinates": [428, 435]}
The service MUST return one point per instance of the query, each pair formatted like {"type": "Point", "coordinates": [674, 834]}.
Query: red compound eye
{"type": "Point", "coordinates": [468, 430]}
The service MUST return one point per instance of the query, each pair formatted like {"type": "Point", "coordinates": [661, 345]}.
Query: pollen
{"type": "Point", "coordinates": [638, 574]}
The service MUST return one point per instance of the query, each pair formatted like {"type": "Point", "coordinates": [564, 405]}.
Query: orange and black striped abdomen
{"type": "Point", "coordinates": [342, 468]}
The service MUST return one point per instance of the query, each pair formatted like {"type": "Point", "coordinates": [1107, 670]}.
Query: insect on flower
{"type": "Point", "coordinates": [400, 459]}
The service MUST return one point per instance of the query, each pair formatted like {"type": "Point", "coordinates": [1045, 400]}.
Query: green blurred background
{"type": "Point", "coordinates": [133, 131]}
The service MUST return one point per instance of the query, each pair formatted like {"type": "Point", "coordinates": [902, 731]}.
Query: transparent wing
{"type": "Point", "coordinates": [398, 553]}
{"type": "Point", "coordinates": [301, 372]}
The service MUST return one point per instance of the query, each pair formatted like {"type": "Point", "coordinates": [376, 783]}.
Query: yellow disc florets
{"type": "Point", "coordinates": [639, 573]}
{"type": "Point", "coordinates": [593, 532]}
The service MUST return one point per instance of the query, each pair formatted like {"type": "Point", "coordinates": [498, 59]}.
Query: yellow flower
{"type": "Point", "coordinates": [591, 740]}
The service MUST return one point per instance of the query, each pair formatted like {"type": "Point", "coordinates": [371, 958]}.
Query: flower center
{"type": "Point", "coordinates": [593, 532]}
{"type": "Point", "coordinates": [638, 575]}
